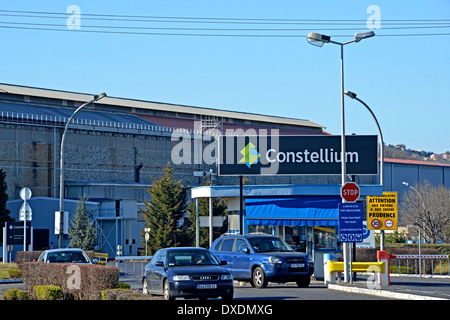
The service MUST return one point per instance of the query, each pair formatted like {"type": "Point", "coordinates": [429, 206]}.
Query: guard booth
{"type": "Point", "coordinates": [305, 216]}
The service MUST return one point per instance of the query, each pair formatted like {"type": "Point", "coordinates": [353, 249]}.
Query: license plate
{"type": "Point", "coordinates": [207, 286]}
{"type": "Point", "coordinates": [297, 265]}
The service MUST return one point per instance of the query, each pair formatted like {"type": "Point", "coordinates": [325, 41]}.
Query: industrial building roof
{"type": "Point", "coordinates": [136, 105]}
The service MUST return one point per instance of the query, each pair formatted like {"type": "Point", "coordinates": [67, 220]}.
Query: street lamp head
{"type": "Point", "coordinates": [350, 94]}
{"type": "Point", "coordinates": [363, 35]}
{"type": "Point", "coordinates": [99, 96]}
{"type": "Point", "coordinates": [317, 39]}
{"type": "Point", "coordinates": [405, 183]}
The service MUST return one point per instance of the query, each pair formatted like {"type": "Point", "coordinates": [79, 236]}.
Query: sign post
{"type": "Point", "coordinates": [25, 213]}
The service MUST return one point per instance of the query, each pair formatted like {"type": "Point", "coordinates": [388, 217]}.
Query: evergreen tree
{"type": "Point", "coordinates": [163, 213]}
{"type": "Point", "coordinates": [82, 228]}
{"type": "Point", "coordinates": [4, 212]}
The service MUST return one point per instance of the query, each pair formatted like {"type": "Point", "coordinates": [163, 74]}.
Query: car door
{"type": "Point", "coordinates": [225, 252]}
{"type": "Point", "coordinates": [159, 272]}
{"type": "Point", "coordinates": [241, 260]}
{"type": "Point", "coordinates": [150, 271]}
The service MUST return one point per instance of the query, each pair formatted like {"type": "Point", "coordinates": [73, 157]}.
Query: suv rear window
{"type": "Point", "coordinates": [227, 245]}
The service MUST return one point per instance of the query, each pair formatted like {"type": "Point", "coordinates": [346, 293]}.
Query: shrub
{"type": "Point", "coordinates": [15, 294]}
{"type": "Point", "coordinates": [14, 273]}
{"type": "Point", "coordinates": [48, 292]}
{"type": "Point", "coordinates": [122, 285]}
{"type": "Point", "coordinates": [77, 281]}
{"type": "Point", "coordinates": [126, 294]}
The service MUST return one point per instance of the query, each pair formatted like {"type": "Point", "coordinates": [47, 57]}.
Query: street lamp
{"type": "Point", "coordinates": [319, 40]}
{"type": "Point", "coordinates": [61, 172]}
{"type": "Point", "coordinates": [353, 96]}
{"type": "Point", "coordinates": [425, 210]}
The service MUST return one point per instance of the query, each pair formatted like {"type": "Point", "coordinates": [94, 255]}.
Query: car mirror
{"type": "Point", "coordinates": [223, 263]}
{"type": "Point", "coordinates": [246, 250]}
{"type": "Point", "coordinates": [94, 260]}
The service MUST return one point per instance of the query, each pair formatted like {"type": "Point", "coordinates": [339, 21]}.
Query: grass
{"type": "Point", "coordinates": [4, 269]}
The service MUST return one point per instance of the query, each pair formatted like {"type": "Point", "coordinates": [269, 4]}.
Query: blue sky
{"type": "Point", "coordinates": [404, 79]}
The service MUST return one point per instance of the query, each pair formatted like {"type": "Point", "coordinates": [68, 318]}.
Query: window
{"type": "Point", "coordinates": [155, 258]}
{"type": "Point", "coordinates": [162, 258]}
{"type": "Point", "coordinates": [227, 245]}
{"type": "Point", "coordinates": [218, 245]}
{"type": "Point", "coordinates": [240, 244]}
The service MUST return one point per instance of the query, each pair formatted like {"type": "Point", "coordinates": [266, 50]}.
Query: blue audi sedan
{"type": "Point", "coordinates": [187, 272]}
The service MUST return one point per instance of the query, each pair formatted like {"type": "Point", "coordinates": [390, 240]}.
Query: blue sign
{"type": "Point", "coordinates": [350, 222]}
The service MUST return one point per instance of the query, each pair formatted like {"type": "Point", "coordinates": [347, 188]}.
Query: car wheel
{"type": "Point", "coordinates": [259, 278]}
{"type": "Point", "coordinates": [303, 282]}
{"type": "Point", "coordinates": [167, 295]}
{"type": "Point", "coordinates": [145, 287]}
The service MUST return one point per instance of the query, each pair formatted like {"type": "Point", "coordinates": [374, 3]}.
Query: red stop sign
{"type": "Point", "coordinates": [350, 192]}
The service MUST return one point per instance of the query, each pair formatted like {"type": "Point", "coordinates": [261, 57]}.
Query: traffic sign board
{"type": "Point", "coordinates": [350, 192]}
{"type": "Point", "coordinates": [350, 222]}
{"type": "Point", "coordinates": [382, 212]}
{"type": "Point", "coordinates": [15, 234]}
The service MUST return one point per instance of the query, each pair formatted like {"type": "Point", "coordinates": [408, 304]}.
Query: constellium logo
{"type": "Point", "coordinates": [250, 155]}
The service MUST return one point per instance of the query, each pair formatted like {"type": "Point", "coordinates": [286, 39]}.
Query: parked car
{"type": "Point", "coordinates": [263, 258]}
{"type": "Point", "coordinates": [66, 255]}
{"type": "Point", "coordinates": [187, 272]}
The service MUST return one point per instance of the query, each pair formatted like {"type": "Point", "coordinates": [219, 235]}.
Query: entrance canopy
{"type": "Point", "coordinates": [293, 211]}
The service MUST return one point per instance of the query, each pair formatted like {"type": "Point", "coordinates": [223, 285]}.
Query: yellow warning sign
{"type": "Point", "coordinates": [382, 212]}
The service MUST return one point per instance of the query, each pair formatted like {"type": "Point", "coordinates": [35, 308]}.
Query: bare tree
{"type": "Point", "coordinates": [427, 207]}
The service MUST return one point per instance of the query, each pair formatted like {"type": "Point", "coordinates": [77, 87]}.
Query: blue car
{"type": "Point", "coordinates": [262, 258]}
{"type": "Point", "coordinates": [187, 273]}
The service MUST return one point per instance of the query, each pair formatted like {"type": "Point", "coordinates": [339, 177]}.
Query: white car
{"type": "Point", "coordinates": [66, 255]}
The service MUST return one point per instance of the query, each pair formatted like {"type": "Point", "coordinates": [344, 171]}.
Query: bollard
{"type": "Point", "coordinates": [328, 277]}
{"type": "Point", "coordinates": [384, 278]}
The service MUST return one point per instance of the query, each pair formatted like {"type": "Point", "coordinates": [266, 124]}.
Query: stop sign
{"type": "Point", "coordinates": [350, 192]}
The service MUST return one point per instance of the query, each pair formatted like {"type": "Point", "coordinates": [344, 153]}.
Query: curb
{"type": "Point", "coordinates": [382, 293]}
{"type": "Point", "coordinates": [10, 280]}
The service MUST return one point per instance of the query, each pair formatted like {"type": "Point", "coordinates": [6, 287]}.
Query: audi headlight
{"type": "Point", "coordinates": [274, 260]}
{"type": "Point", "coordinates": [226, 277]}
{"type": "Point", "coordinates": [181, 277]}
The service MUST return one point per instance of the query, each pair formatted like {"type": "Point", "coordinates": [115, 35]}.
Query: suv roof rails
{"type": "Point", "coordinates": [259, 233]}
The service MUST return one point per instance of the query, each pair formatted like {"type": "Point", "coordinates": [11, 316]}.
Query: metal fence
{"type": "Point", "coordinates": [420, 264]}
{"type": "Point", "coordinates": [132, 266]}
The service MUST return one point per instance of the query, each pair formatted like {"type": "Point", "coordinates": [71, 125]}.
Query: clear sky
{"type": "Point", "coordinates": [241, 63]}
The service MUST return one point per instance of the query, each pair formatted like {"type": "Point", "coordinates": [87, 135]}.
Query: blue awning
{"type": "Point", "coordinates": [293, 211]}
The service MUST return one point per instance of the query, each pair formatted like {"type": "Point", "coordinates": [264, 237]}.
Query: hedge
{"type": "Point", "coordinates": [77, 281]}
{"type": "Point", "coordinates": [29, 256]}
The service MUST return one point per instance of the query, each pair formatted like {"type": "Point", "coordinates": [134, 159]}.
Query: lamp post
{"type": "Point", "coordinates": [353, 96]}
{"type": "Point", "coordinates": [319, 40]}
{"type": "Point", "coordinates": [61, 172]}
{"type": "Point", "coordinates": [425, 209]}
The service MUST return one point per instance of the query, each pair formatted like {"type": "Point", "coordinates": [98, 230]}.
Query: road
{"type": "Point", "coordinates": [316, 291]}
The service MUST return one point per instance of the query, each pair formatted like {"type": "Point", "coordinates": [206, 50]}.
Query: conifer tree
{"type": "Point", "coordinates": [82, 228]}
{"type": "Point", "coordinates": [163, 213]}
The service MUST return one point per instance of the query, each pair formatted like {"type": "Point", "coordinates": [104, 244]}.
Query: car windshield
{"type": "Point", "coordinates": [266, 244]}
{"type": "Point", "coordinates": [67, 257]}
{"type": "Point", "coordinates": [191, 258]}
